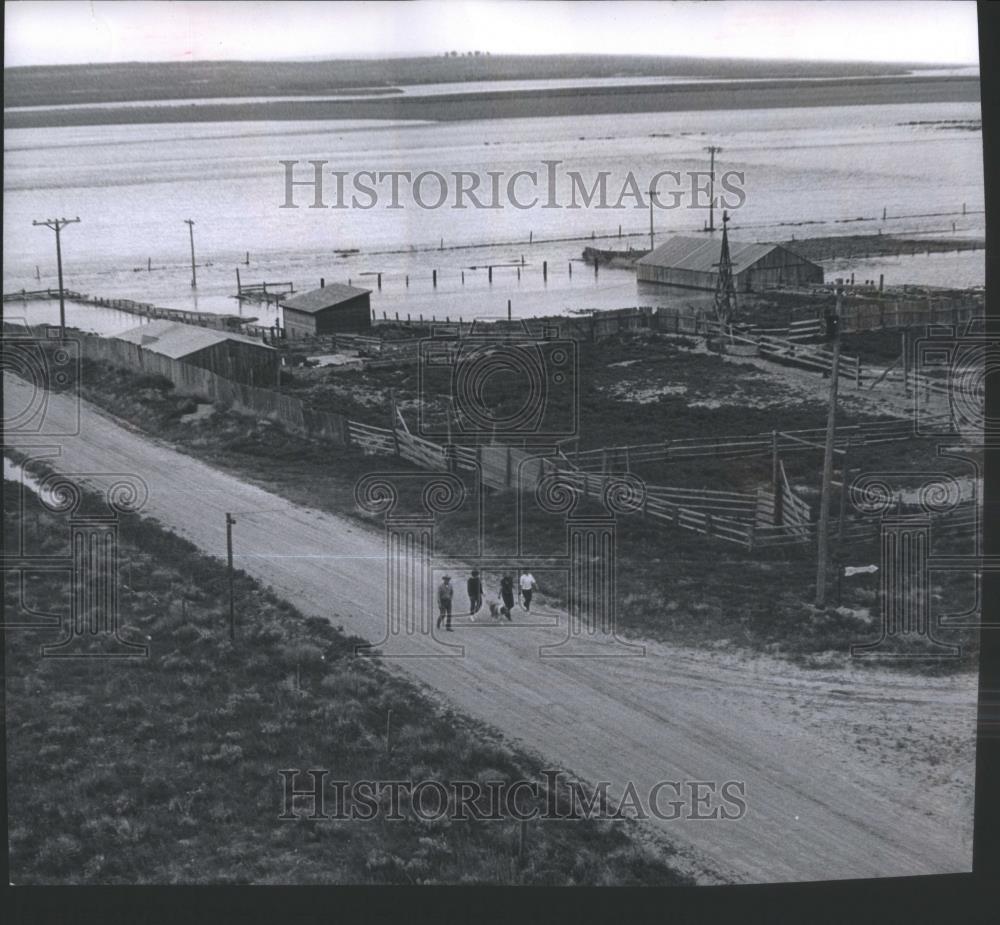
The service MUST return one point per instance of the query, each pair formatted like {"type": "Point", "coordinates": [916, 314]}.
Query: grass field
{"type": "Point", "coordinates": [164, 769]}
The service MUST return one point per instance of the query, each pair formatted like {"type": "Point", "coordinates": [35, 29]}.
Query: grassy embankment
{"type": "Point", "coordinates": [674, 584]}
{"type": "Point", "coordinates": [53, 85]}
{"type": "Point", "coordinates": [164, 769]}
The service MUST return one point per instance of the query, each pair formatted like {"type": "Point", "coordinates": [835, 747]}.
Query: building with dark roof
{"type": "Point", "coordinates": [333, 309]}
{"type": "Point", "coordinates": [693, 263]}
{"type": "Point", "coordinates": [235, 356]}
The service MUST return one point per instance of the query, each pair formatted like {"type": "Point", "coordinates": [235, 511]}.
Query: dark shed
{"type": "Point", "coordinates": [333, 309]}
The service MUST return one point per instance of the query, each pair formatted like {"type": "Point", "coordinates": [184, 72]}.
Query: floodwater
{"type": "Point", "coordinates": [808, 172]}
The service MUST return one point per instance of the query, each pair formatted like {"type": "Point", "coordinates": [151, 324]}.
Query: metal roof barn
{"type": "Point", "coordinates": [234, 356]}
{"type": "Point", "coordinates": [693, 263]}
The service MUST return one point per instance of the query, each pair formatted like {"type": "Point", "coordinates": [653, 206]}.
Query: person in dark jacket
{"type": "Point", "coordinates": [507, 594]}
{"type": "Point", "coordinates": [444, 595]}
{"type": "Point", "coordinates": [474, 587]}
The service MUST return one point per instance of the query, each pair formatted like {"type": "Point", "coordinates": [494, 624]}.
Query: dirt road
{"type": "Point", "coordinates": [848, 773]}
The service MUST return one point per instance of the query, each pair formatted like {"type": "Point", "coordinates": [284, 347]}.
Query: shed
{"type": "Point", "coordinates": [333, 309]}
{"type": "Point", "coordinates": [693, 263]}
{"type": "Point", "coordinates": [234, 356]}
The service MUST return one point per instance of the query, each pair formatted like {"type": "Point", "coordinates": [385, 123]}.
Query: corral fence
{"type": "Point", "coordinates": [750, 520]}
{"type": "Point", "coordinates": [623, 458]}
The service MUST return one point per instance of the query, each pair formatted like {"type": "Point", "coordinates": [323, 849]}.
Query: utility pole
{"type": "Point", "coordinates": [712, 150]}
{"type": "Point", "coordinates": [57, 225]}
{"type": "Point", "coordinates": [822, 554]}
{"type": "Point", "coordinates": [229, 558]}
{"type": "Point", "coordinates": [652, 193]}
{"type": "Point", "coordinates": [194, 276]}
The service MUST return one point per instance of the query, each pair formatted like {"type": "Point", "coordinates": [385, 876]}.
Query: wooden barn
{"type": "Point", "coordinates": [333, 309]}
{"type": "Point", "coordinates": [693, 263]}
{"type": "Point", "coordinates": [234, 356]}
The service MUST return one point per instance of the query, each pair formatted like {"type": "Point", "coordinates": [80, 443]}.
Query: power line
{"type": "Point", "coordinates": [57, 225]}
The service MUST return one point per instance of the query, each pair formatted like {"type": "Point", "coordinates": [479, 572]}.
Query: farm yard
{"type": "Point", "coordinates": [714, 437]}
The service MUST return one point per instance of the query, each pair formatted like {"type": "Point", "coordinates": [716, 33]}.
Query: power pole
{"type": "Point", "coordinates": [57, 225]}
{"type": "Point", "coordinates": [822, 553]}
{"type": "Point", "coordinates": [712, 150]}
{"type": "Point", "coordinates": [229, 558]}
{"type": "Point", "coordinates": [652, 193]}
{"type": "Point", "coordinates": [194, 275]}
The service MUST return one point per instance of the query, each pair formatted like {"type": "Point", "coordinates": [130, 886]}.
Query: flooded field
{"type": "Point", "coordinates": [807, 171]}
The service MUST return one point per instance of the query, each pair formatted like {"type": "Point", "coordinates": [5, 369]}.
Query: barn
{"type": "Point", "coordinates": [234, 356]}
{"type": "Point", "coordinates": [693, 263]}
{"type": "Point", "coordinates": [333, 309]}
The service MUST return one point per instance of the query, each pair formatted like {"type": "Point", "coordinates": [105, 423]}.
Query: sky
{"type": "Point", "coordinates": [80, 32]}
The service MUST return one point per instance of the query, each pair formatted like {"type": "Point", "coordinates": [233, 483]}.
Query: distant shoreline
{"type": "Point", "coordinates": [514, 104]}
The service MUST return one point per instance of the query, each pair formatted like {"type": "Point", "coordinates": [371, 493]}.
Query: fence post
{"type": "Point", "coordinates": [395, 435]}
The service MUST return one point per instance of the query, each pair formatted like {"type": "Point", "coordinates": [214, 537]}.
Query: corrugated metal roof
{"type": "Point", "coordinates": [176, 340]}
{"type": "Point", "coordinates": [317, 299]}
{"type": "Point", "coordinates": [702, 254]}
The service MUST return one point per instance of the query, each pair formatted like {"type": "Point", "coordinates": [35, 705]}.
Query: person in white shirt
{"type": "Point", "coordinates": [527, 582]}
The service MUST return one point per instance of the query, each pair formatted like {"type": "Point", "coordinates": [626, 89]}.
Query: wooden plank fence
{"type": "Point", "coordinates": [622, 458]}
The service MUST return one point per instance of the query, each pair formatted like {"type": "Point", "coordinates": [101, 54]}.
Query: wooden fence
{"type": "Point", "coordinates": [623, 458]}
{"type": "Point", "coordinates": [742, 518]}
{"type": "Point", "coordinates": [290, 412]}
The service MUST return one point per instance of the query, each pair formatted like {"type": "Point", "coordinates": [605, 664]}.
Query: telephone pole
{"type": "Point", "coordinates": [57, 225]}
{"type": "Point", "coordinates": [652, 193]}
{"type": "Point", "coordinates": [194, 276]}
{"type": "Point", "coordinates": [229, 558]}
{"type": "Point", "coordinates": [712, 150]}
{"type": "Point", "coordinates": [822, 554]}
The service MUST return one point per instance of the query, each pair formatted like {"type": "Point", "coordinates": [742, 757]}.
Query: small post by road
{"type": "Point", "coordinates": [194, 275]}
{"type": "Point", "coordinates": [230, 520]}
{"type": "Point", "coordinates": [57, 225]}
{"type": "Point", "coordinates": [822, 551]}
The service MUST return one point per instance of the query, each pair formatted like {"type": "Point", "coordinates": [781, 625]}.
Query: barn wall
{"type": "Point", "coordinates": [298, 324]}
{"type": "Point", "coordinates": [238, 362]}
{"type": "Point", "coordinates": [780, 267]}
{"type": "Point", "coordinates": [351, 317]}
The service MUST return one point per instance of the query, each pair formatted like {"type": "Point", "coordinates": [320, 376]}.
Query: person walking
{"type": "Point", "coordinates": [507, 594]}
{"type": "Point", "coordinates": [445, 593]}
{"type": "Point", "coordinates": [474, 587]}
{"type": "Point", "coordinates": [527, 583]}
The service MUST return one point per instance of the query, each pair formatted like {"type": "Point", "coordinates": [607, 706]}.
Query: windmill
{"type": "Point", "coordinates": [725, 289]}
